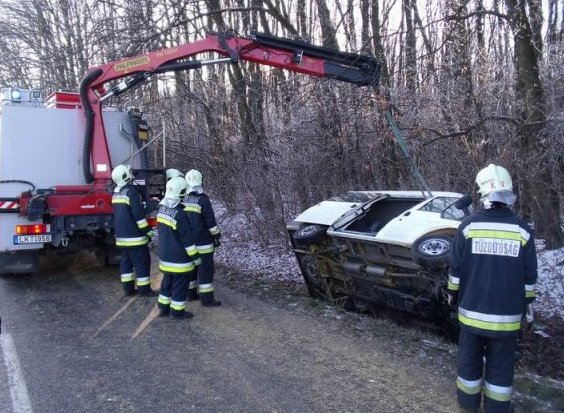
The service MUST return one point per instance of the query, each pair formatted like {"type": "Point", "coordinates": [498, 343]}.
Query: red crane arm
{"type": "Point", "coordinates": [296, 56]}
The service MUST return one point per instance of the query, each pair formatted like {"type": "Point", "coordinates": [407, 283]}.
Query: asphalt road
{"type": "Point", "coordinates": [71, 343]}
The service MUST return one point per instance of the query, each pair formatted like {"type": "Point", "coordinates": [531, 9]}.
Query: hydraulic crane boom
{"type": "Point", "coordinates": [292, 55]}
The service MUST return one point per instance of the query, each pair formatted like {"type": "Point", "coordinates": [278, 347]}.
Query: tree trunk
{"type": "Point", "coordinates": [540, 198]}
{"type": "Point", "coordinates": [302, 18]}
{"type": "Point", "coordinates": [410, 47]}
{"type": "Point", "coordinates": [327, 30]}
{"type": "Point", "coordinates": [378, 47]}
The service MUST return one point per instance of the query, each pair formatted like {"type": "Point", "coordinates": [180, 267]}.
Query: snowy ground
{"type": "Point", "coordinates": [550, 284]}
{"type": "Point", "coordinates": [240, 251]}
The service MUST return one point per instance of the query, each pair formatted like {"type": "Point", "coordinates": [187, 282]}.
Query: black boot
{"type": "Point", "coordinates": [164, 309]}
{"type": "Point", "coordinates": [193, 294]}
{"type": "Point", "coordinates": [181, 315]}
{"type": "Point", "coordinates": [208, 300]}
{"type": "Point", "coordinates": [145, 290]}
{"type": "Point", "coordinates": [128, 288]}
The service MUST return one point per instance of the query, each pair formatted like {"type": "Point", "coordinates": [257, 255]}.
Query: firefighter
{"type": "Point", "coordinates": [202, 218]}
{"type": "Point", "coordinates": [492, 277]}
{"type": "Point", "coordinates": [132, 233]}
{"type": "Point", "coordinates": [177, 251]}
{"type": "Point", "coordinates": [172, 173]}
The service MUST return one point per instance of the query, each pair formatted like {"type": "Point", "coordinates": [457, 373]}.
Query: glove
{"type": "Point", "coordinates": [530, 316]}
{"type": "Point", "coordinates": [216, 242]}
{"type": "Point", "coordinates": [197, 261]}
{"type": "Point", "coordinates": [451, 300]}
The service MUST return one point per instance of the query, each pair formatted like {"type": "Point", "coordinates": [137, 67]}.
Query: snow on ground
{"type": "Point", "coordinates": [550, 284]}
{"type": "Point", "coordinates": [242, 252]}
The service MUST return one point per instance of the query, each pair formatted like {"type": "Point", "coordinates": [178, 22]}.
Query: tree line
{"type": "Point", "coordinates": [469, 82]}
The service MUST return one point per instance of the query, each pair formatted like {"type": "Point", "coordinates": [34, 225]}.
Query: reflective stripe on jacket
{"type": "Point", "coordinates": [202, 219]}
{"type": "Point", "coordinates": [493, 270]}
{"type": "Point", "coordinates": [177, 251]}
{"type": "Point", "coordinates": [130, 224]}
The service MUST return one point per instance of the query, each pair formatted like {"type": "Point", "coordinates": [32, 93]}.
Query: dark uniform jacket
{"type": "Point", "coordinates": [493, 270]}
{"type": "Point", "coordinates": [177, 251]}
{"type": "Point", "coordinates": [130, 225]}
{"type": "Point", "coordinates": [202, 219]}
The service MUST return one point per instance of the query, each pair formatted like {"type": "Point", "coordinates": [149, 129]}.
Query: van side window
{"type": "Point", "coordinates": [444, 205]}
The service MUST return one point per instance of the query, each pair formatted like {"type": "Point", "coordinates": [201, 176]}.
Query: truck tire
{"type": "Point", "coordinates": [432, 251]}
{"type": "Point", "coordinates": [113, 256]}
{"type": "Point", "coordinates": [309, 234]}
{"type": "Point", "coordinates": [107, 255]}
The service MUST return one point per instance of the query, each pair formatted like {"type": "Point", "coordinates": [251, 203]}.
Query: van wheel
{"type": "Point", "coordinates": [309, 234]}
{"type": "Point", "coordinates": [432, 251]}
{"type": "Point", "coordinates": [315, 282]}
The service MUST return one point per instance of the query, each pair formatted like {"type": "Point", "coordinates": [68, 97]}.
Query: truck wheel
{"type": "Point", "coordinates": [432, 251]}
{"type": "Point", "coordinates": [114, 255]}
{"type": "Point", "coordinates": [107, 255]}
{"type": "Point", "coordinates": [309, 234]}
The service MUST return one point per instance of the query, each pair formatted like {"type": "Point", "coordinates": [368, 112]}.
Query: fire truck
{"type": "Point", "coordinates": [57, 152]}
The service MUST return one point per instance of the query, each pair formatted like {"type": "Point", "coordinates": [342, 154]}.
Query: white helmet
{"type": "Point", "coordinates": [171, 173]}
{"type": "Point", "coordinates": [495, 185]}
{"type": "Point", "coordinates": [194, 179]}
{"type": "Point", "coordinates": [176, 188]}
{"type": "Point", "coordinates": [122, 174]}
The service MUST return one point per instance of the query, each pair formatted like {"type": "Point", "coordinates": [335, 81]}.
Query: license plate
{"type": "Point", "coordinates": [32, 239]}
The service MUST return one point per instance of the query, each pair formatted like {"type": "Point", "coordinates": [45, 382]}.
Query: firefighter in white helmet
{"type": "Point", "coordinates": [200, 212]}
{"type": "Point", "coordinates": [132, 233]}
{"type": "Point", "coordinates": [177, 251]}
{"type": "Point", "coordinates": [492, 277]}
{"type": "Point", "coordinates": [172, 173]}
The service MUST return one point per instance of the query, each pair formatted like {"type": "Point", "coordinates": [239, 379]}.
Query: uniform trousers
{"type": "Point", "coordinates": [495, 380]}
{"type": "Point", "coordinates": [174, 288]}
{"type": "Point", "coordinates": [135, 263]}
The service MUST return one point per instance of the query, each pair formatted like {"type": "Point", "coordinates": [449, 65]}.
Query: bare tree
{"type": "Point", "coordinates": [410, 47]}
{"type": "Point", "coordinates": [540, 192]}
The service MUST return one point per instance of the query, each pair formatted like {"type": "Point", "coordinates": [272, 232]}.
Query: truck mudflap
{"type": "Point", "coordinates": [17, 262]}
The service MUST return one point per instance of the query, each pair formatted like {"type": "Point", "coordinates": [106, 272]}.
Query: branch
{"type": "Point", "coordinates": [476, 13]}
{"type": "Point", "coordinates": [263, 148]}
{"type": "Point", "coordinates": [515, 122]}
{"type": "Point", "coordinates": [191, 156]}
{"type": "Point", "coordinates": [470, 128]}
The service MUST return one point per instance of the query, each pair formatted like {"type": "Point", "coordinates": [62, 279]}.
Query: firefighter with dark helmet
{"type": "Point", "coordinates": [132, 233]}
{"type": "Point", "coordinates": [202, 218]}
{"type": "Point", "coordinates": [492, 277]}
{"type": "Point", "coordinates": [177, 252]}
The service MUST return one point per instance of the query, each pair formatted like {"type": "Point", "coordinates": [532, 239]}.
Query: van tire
{"type": "Point", "coordinates": [432, 251]}
{"type": "Point", "coordinates": [309, 234]}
